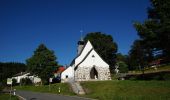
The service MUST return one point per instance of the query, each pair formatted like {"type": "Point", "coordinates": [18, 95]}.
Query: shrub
{"type": "Point", "coordinates": [166, 77]}
{"type": "Point", "coordinates": [157, 77]}
{"type": "Point", "coordinates": [133, 78]}
{"type": "Point", "coordinates": [14, 82]}
{"type": "Point", "coordinates": [26, 81]}
{"type": "Point", "coordinates": [1, 86]}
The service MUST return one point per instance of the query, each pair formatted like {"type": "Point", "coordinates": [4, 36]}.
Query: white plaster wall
{"type": "Point", "coordinates": [68, 72]}
{"type": "Point", "coordinates": [86, 49]}
{"type": "Point", "coordinates": [94, 61]}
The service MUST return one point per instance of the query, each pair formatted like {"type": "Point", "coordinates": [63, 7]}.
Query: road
{"type": "Point", "coordinates": [46, 96]}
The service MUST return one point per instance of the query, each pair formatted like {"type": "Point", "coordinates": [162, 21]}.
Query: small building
{"type": "Point", "coordinates": [58, 71]}
{"type": "Point", "coordinates": [87, 66]}
{"type": "Point", "coordinates": [22, 75]}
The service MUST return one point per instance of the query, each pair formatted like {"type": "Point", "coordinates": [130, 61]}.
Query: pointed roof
{"type": "Point", "coordinates": [83, 59]}
{"type": "Point", "coordinates": [86, 51]}
{"type": "Point", "coordinates": [88, 45]}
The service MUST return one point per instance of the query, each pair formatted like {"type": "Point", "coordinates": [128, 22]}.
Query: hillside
{"type": "Point", "coordinates": [127, 90]}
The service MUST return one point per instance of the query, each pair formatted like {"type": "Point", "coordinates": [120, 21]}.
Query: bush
{"type": "Point", "coordinates": [14, 82]}
{"type": "Point", "coordinates": [114, 76]}
{"type": "Point", "coordinates": [166, 77]}
{"type": "Point", "coordinates": [1, 86]}
{"type": "Point", "coordinates": [133, 78]}
{"type": "Point", "coordinates": [157, 77]}
{"type": "Point", "coordinates": [26, 81]}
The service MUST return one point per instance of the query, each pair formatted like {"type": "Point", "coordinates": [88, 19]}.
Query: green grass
{"type": "Point", "coordinates": [7, 97]}
{"type": "Point", "coordinates": [64, 88]}
{"type": "Point", "coordinates": [151, 70]}
{"type": "Point", "coordinates": [128, 90]}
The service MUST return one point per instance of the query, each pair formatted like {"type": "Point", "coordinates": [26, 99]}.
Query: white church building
{"type": "Point", "coordinates": [87, 66]}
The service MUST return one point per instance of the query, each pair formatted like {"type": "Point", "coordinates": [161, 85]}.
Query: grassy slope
{"type": "Point", "coordinates": [7, 97]}
{"type": "Point", "coordinates": [129, 90]}
{"type": "Point", "coordinates": [151, 70]}
{"type": "Point", "coordinates": [64, 88]}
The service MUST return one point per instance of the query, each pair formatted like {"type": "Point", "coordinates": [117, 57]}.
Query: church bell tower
{"type": "Point", "coordinates": [80, 44]}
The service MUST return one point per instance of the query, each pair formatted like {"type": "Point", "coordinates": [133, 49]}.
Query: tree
{"type": "Point", "coordinates": [9, 69]}
{"type": "Point", "coordinates": [42, 63]}
{"type": "Point", "coordinates": [123, 58]}
{"type": "Point", "coordinates": [137, 55]}
{"type": "Point", "coordinates": [104, 45]}
{"type": "Point", "coordinates": [155, 31]}
{"type": "Point", "coordinates": [123, 67]}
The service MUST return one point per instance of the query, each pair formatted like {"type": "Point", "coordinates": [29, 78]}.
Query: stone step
{"type": "Point", "coordinates": [77, 88]}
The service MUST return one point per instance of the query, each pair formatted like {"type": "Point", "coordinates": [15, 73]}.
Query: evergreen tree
{"type": "Point", "coordinates": [137, 56]}
{"type": "Point", "coordinates": [9, 69]}
{"type": "Point", "coordinates": [155, 31]}
{"type": "Point", "coordinates": [42, 63]}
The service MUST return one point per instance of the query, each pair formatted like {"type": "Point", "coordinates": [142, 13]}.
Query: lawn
{"type": "Point", "coordinates": [7, 97]}
{"type": "Point", "coordinates": [54, 88]}
{"type": "Point", "coordinates": [151, 70]}
{"type": "Point", "coordinates": [127, 90]}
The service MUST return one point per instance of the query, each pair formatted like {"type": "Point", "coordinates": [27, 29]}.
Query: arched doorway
{"type": "Point", "coordinates": [93, 73]}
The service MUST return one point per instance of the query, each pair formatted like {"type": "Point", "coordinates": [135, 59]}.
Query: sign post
{"type": "Point", "coordinates": [50, 80]}
{"type": "Point", "coordinates": [9, 82]}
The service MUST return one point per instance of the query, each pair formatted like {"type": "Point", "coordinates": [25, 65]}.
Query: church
{"type": "Point", "coordinates": [87, 66]}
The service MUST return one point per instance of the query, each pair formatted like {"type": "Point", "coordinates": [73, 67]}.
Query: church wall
{"type": "Point", "coordinates": [67, 74]}
{"type": "Point", "coordinates": [92, 60]}
{"type": "Point", "coordinates": [83, 73]}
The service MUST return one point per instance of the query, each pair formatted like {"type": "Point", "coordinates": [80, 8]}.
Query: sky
{"type": "Point", "coordinates": [24, 24]}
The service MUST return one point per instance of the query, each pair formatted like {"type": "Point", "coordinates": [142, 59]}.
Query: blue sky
{"type": "Point", "coordinates": [24, 24]}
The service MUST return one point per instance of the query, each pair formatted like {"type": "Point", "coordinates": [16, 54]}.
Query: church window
{"type": "Point", "coordinates": [66, 76]}
{"type": "Point", "coordinates": [93, 56]}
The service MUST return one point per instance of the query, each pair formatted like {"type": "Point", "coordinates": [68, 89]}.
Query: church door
{"type": "Point", "coordinates": [93, 73]}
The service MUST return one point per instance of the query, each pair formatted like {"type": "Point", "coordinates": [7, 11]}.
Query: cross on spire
{"type": "Point", "coordinates": [81, 31]}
